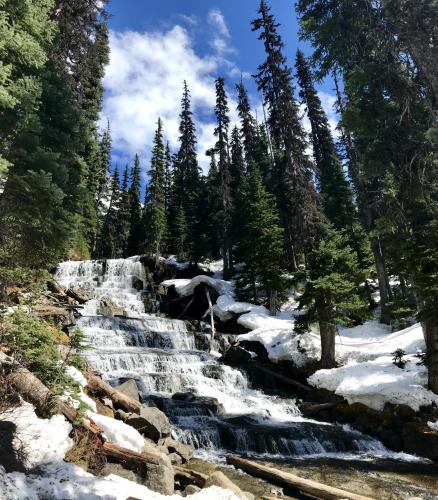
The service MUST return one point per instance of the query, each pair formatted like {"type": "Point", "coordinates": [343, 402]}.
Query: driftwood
{"type": "Point", "coordinates": [98, 386]}
{"type": "Point", "coordinates": [283, 378]}
{"type": "Point", "coordinates": [285, 479]}
{"type": "Point", "coordinates": [191, 476]}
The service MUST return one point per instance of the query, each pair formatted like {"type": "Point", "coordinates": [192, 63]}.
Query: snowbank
{"type": "Point", "coordinates": [118, 432]}
{"type": "Point", "coordinates": [186, 287]}
{"type": "Point", "coordinates": [44, 443]}
{"type": "Point", "coordinates": [72, 398]}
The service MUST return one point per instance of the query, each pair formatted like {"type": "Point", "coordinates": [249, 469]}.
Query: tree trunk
{"type": "Point", "coordinates": [327, 332]}
{"type": "Point", "coordinates": [273, 302]}
{"type": "Point", "coordinates": [430, 329]}
{"type": "Point", "coordinates": [382, 276]}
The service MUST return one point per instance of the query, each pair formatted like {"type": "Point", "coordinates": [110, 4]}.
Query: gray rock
{"type": "Point", "coordinates": [130, 389]}
{"type": "Point", "coordinates": [79, 294]}
{"type": "Point", "coordinates": [160, 478]}
{"type": "Point", "coordinates": [108, 308]}
{"type": "Point", "coordinates": [221, 480]}
{"type": "Point", "coordinates": [185, 451]}
{"type": "Point", "coordinates": [122, 472]}
{"type": "Point", "coordinates": [151, 422]}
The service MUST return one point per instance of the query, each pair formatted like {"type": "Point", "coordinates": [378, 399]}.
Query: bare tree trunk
{"type": "Point", "coordinates": [430, 328]}
{"type": "Point", "coordinates": [273, 302]}
{"type": "Point", "coordinates": [382, 276]}
{"type": "Point", "coordinates": [327, 331]}
{"type": "Point", "coordinates": [213, 330]}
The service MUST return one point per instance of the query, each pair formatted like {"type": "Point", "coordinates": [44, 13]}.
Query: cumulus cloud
{"type": "Point", "coordinates": [144, 81]}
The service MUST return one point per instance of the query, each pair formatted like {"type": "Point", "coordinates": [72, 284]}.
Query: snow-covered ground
{"type": "Point", "coordinates": [44, 443]}
{"type": "Point", "coordinates": [367, 373]}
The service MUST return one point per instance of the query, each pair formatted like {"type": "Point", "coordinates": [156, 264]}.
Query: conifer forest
{"type": "Point", "coordinates": [253, 319]}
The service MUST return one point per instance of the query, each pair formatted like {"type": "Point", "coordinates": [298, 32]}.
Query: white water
{"type": "Point", "coordinates": [160, 354]}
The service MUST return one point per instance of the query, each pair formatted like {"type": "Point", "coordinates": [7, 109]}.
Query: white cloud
{"type": "Point", "coordinates": [144, 81]}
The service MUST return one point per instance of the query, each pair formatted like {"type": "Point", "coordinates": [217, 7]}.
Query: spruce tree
{"type": "Point", "coordinates": [222, 149]}
{"type": "Point", "coordinates": [259, 249]}
{"type": "Point", "coordinates": [155, 209]}
{"type": "Point", "coordinates": [135, 236]}
{"type": "Point", "coordinates": [107, 242]}
{"type": "Point", "coordinates": [247, 123]}
{"type": "Point", "coordinates": [123, 217]}
{"type": "Point", "coordinates": [237, 162]}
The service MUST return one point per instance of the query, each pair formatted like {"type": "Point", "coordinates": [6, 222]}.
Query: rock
{"type": "Point", "coordinates": [221, 480]}
{"type": "Point", "coordinates": [108, 308]}
{"type": "Point", "coordinates": [108, 402]}
{"type": "Point", "coordinates": [130, 389]}
{"type": "Point", "coordinates": [160, 478]}
{"type": "Point", "coordinates": [137, 283]}
{"type": "Point", "coordinates": [184, 396]}
{"type": "Point", "coordinates": [117, 469]}
{"type": "Point", "coordinates": [102, 409]}
{"type": "Point", "coordinates": [151, 447]}
{"type": "Point", "coordinates": [60, 316]}
{"type": "Point", "coordinates": [79, 294]}
{"type": "Point", "coordinates": [185, 451]}
{"type": "Point", "coordinates": [175, 459]}
{"type": "Point", "coordinates": [151, 422]}
{"type": "Point", "coordinates": [191, 489]}
{"type": "Point", "coordinates": [236, 355]}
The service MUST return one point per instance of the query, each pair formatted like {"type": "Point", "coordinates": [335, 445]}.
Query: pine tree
{"type": "Point", "coordinates": [222, 148]}
{"type": "Point", "coordinates": [336, 193]}
{"type": "Point", "coordinates": [237, 163]}
{"type": "Point", "coordinates": [247, 123]}
{"type": "Point", "coordinates": [107, 243]}
{"type": "Point", "coordinates": [123, 217]}
{"type": "Point", "coordinates": [155, 209]}
{"type": "Point", "coordinates": [299, 210]}
{"type": "Point", "coordinates": [212, 205]}
{"type": "Point", "coordinates": [259, 248]}
{"type": "Point", "coordinates": [135, 235]}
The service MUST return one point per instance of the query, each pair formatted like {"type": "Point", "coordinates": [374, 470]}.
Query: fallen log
{"type": "Point", "coordinates": [98, 386]}
{"type": "Point", "coordinates": [285, 479]}
{"type": "Point", "coordinates": [31, 389]}
{"type": "Point", "coordinates": [283, 378]}
{"type": "Point", "coordinates": [124, 455]}
{"type": "Point", "coordinates": [213, 331]}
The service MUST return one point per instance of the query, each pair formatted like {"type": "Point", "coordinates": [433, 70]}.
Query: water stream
{"type": "Point", "coordinates": [224, 413]}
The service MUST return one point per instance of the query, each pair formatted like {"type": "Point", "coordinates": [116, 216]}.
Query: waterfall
{"type": "Point", "coordinates": [225, 413]}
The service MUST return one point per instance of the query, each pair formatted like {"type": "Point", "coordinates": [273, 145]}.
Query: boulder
{"type": "Point", "coordinates": [160, 477]}
{"type": "Point", "coordinates": [119, 470]}
{"type": "Point", "coordinates": [188, 397]}
{"type": "Point", "coordinates": [130, 389]}
{"type": "Point", "coordinates": [151, 422]}
{"type": "Point", "coordinates": [185, 451]}
{"type": "Point", "coordinates": [221, 480]}
{"type": "Point", "coordinates": [108, 308]}
{"type": "Point", "coordinates": [236, 355]}
{"type": "Point", "coordinates": [79, 294]}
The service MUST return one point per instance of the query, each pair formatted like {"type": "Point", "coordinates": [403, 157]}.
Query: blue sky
{"type": "Point", "coordinates": [157, 44]}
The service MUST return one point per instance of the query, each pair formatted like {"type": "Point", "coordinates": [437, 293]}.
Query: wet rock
{"type": "Point", "coordinates": [108, 308]}
{"type": "Point", "coordinates": [79, 294]}
{"type": "Point", "coordinates": [256, 347]}
{"type": "Point", "coordinates": [236, 355]}
{"type": "Point", "coordinates": [151, 422]}
{"type": "Point", "coordinates": [184, 396]}
{"type": "Point", "coordinates": [130, 389]}
{"type": "Point", "coordinates": [185, 451]}
{"type": "Point", "coordinates": [221, 480]}
{"type": "Point", "coordinates": [137, 283]}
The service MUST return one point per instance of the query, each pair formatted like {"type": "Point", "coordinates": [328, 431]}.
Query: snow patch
{"type": "Point", "coordinates": [185, 287]}
{"type": "Point", "coordinates": [118, 432]}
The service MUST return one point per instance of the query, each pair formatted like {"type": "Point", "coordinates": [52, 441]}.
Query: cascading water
{"type": "Point", "coordinates": [160, 354]}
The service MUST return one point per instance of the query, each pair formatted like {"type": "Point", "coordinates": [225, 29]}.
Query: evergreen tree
{"type": "Point", "coordinates": [107, 243]}
{"type": "Point", "coordinates": [332, 293]}
{"type": "Point", "coordinates": [247, 123]}
{"type": "Point", "coordinates": [336, 193]}
{"type": "Point", "coordinates": [155, 208]}
{"type": "Point", "coordinates": [237, 163]}
{"type": "Point", "coordinates": [222, 148]}
{"type": "Point", "coordinates": [135, 235]}
{"type": "Point", "coordinates": [212, 209]}
{"type": "Point", "coordinates": [299, 208]}
{"type": "Point", "coordinates": [167, 178]}
{"type": "Point", "coordinates": [123, 217]}
{"type": "Point", "coordinates": [260, 246]}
